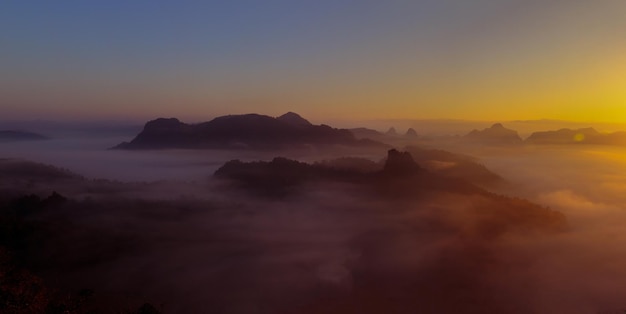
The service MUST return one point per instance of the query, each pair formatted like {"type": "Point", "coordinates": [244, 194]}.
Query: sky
{"type": "Point", "coordinates": [340, 59]}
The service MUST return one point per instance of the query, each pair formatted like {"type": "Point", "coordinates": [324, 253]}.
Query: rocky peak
{"type": "Point", "coordinates": [400, 163]}
{"type": "Point", "coordinates": [293, 119]}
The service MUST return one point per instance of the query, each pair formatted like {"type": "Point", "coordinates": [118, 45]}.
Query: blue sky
{"type": "Point", "coordinates": [363, 59]}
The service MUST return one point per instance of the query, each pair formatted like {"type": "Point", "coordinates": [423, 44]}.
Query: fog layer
{"type": "Point", "coordinates": [334, 247]}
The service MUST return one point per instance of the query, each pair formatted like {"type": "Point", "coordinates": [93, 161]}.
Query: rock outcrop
{"type": "Point", "coordinates": [400, 163]}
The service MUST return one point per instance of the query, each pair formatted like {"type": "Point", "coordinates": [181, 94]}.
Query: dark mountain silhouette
{"type": "Point", "coordinates": [10, 135]}
{"type": "Point", "coordinates": [390, 137]}
{"type": "Point", "coordinates": [496, 134]}
{"type": "Point", "coordinates": [411, 133]}
{"type": "Point", "coordinates": [578, 136]}
{"type": "Point", "coordinates": [441, 162]}
{"type": "Point", "coordinates": [251, 131]}
{"type": "Point", "coordinates": [294, 119]}
{"type": "Point", "coordinates": [400, 179]}
{"type": "Point", "coordinates": [400, 175]}
{"type": "Point", "coordinates": [400, 164]}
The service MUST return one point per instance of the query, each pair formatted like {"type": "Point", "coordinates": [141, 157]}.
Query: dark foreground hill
{"type": "Point", "coordinates": [248, 131]}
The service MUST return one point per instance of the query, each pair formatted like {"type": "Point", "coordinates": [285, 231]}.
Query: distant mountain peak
{"type": "Point", "coordinates": [411, 133]}
{"type": "Point", "coordinates": [496, 134]}
{"type": "Point", "coordinates": [293, 119]}
{"type": "Point", "coordinates": [392, 131]}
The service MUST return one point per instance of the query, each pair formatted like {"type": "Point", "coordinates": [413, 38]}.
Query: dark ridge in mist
{"type": "Point", "coordinates": [400, 175]}
{"type": "Point", "coordinates": [13, 169]}
{"type": "Point", "coordinates": [249, 131]}
{"type": "Point", "coordinates": [496, 134]}
{"type": "Point", "coordinates": [339, 236]}
{"type": "Point", "coordinates": [400, 164]}
{"type": "Point", "coordinates": [454, 165]}
{"type": "Point", "coordinates": [391, 137]}
{"type": "Point", "coordinates": [11, 136]}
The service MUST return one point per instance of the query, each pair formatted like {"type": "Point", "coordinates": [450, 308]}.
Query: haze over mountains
{"type": "Point", "coordinates": [496, 134]}
{"type": "Point", "coordinates": [265, 227]}
{"type": "Point", "coordinates": [324, 228]}
{"type": "Point", "coordinates": [578, 136]}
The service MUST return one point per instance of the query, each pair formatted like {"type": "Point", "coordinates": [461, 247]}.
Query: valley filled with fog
{"type": "Point", "coordinates": [325, 234]}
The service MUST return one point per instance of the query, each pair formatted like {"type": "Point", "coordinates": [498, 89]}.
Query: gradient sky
{"type": "Point", "coordinates": [479, 59]}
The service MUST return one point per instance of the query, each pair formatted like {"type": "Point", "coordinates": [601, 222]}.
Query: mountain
{"type": "Point", "coordinates": [578, 136]}
{"type": "Point", "coordinates": [294, 119]}
{"type": "Point", "coordinates": [13, 169]}
{"type": "Point", "coordinates": [496, 134]}
{"type": "Point", "coordinates": [410, 133]}
{"type": "Point", "coordinates": [392, 132]}
{"type": "Point", "coordinates": [391, 137]}
{"type": "Point", "coordinates": [441, 162]}
{"type": "Point", "coordinates": [400, 176]}
{"type": "Point", "coordinates": [400, 164]}
{"type": "Point", "coordinates": [248, 131]}
{"type": "Point", "coordinates": [10, 136]}
{"type": "Point", "coordinates": [401, 179]}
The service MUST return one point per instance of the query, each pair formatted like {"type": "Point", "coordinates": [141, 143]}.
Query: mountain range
{"type": "Point", "coordinates": [496, 134]}
{"type": "Point", "coordinates": [499, 135]}
{"type": "Point", "coordinates": [578, 136]}
{"type": "Point", "coordinates": [248, 131]}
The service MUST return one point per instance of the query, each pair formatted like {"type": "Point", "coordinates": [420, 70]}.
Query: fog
{"type": "Point", "coordinates": [194, 244]}
{"type": "Point", "coordinates": [579, 271]}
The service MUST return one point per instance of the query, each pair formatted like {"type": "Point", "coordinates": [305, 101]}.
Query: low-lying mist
{"type": "Point", "coordinates": [191, 243]}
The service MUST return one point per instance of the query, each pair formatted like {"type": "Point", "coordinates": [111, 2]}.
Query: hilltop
{"type": "Point", "coordinates": [248, 131]}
